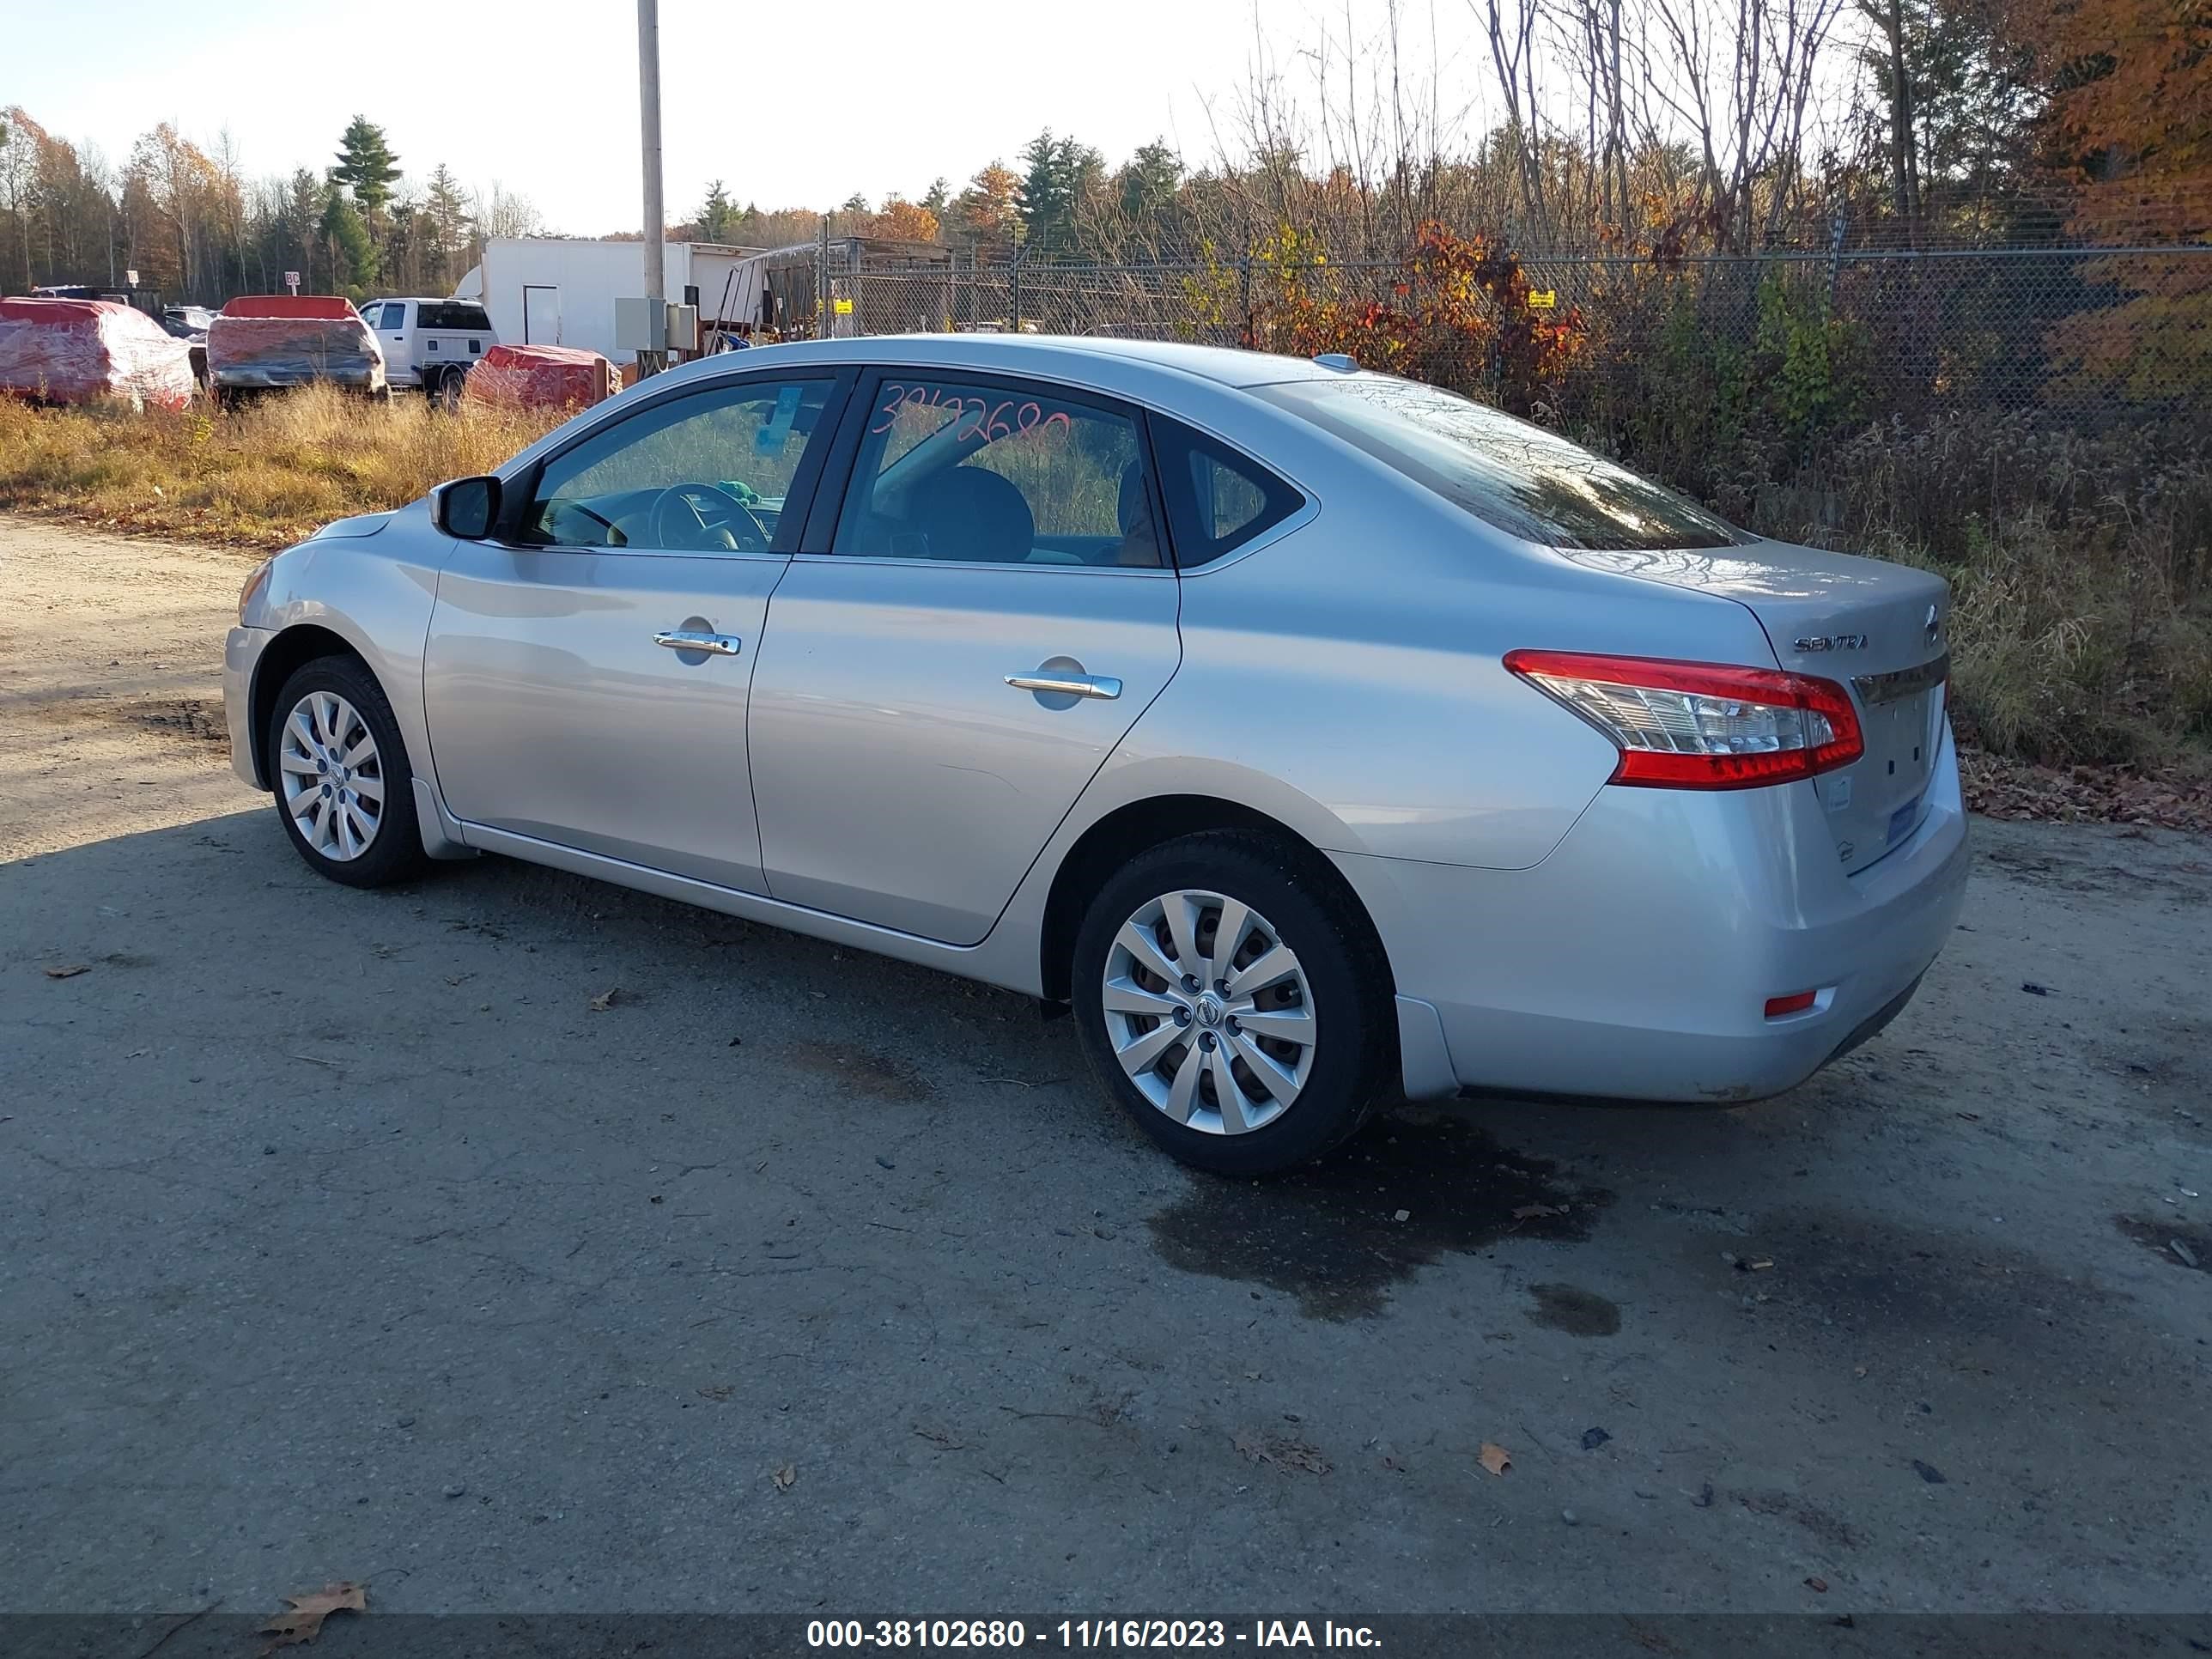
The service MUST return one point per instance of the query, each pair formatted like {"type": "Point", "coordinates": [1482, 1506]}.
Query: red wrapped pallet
{"type": "Point", "coordinates": [261, 340]}
{"type": "Point", "coordinates": [541, 377]}
{"type": "Point", "coordinates": [72, 351]}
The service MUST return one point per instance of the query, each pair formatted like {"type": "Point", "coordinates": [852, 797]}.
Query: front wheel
{"type": "Point", "coordinates": [1234, 1000]}
{"type": "Point", "coordinates": [340, 774]}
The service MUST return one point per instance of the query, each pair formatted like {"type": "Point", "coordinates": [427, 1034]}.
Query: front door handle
{"type": "Point", "coordinates": [1065, 685]}
{"type": "Point", "coordinates": [696, 639]}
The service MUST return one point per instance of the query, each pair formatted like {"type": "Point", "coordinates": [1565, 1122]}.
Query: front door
{"type": "Point", "coordinates": [585, 678]}
{"type": "Point", "coordinates": [990, 616]}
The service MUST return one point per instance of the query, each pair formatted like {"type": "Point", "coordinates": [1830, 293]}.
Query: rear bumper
{"type": "Point", "coordinates": [1637, 960]}
{"type": "Point", "coordinates": [240, 652]}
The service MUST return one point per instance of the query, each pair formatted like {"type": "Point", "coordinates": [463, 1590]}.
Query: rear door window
{"type": "Point", "coordinates": [1525, 481]}
{"type": "Point", "coordinates": [455, 316]}
{"type": "Point", "coordinates": [998, 472]}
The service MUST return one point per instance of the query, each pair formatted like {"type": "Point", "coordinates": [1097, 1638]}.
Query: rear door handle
{"type": "Point", "coordinates": [693, 638]}
{"type": "Point", "coordinates": [1067, 685]}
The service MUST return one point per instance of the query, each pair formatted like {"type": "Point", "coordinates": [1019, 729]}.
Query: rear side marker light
{"type": "Point", "coordinates": [1701, 725]}
{"type": "Point", "coordinates": [1795, 1003]}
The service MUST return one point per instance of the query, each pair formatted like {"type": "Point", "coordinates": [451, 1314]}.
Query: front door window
{"type": "Point", "coordinates": [709, 473]}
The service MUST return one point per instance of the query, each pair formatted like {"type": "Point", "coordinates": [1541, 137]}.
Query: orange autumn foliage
{"type": "Point", "coordinates": [1459, 315]}
{"type": "Point", "coordinates": [2131, 113]}
{"type": "Point", "coordinates": [2131, 110]}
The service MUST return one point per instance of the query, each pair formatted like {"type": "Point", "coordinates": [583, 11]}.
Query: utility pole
{"type": "Point", "coordinates": [648, 103]}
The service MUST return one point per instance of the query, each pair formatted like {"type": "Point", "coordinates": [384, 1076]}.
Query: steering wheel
{"type": "Point", "coordinates": [707, 516]}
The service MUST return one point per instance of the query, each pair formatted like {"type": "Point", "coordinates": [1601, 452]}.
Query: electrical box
{"type": "Point", "coordinates": [683, 328]}
{"type": "Point", "coordinates": [640, 324]}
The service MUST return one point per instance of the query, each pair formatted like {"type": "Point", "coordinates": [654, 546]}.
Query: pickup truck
{"type": "Point", "coordinates": [430, 344]}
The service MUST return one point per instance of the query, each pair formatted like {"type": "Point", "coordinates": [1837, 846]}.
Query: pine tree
{"type": "Point", "coordinates": [936, 200]}
{"type": "Point", "coordinates": [1148, 181]}
{"type": "Point", "coordinates": [1062, 174]}
{"type": "Point", "coordinates": [1044, 193]}
{"type": "Point", "coordinates": [351, 253]}
{"type": "Point", "coordinates": [366, 165]}
{"type": "Point", "coordinates": [718, 217]}
{"type": "Point", "coordinates": [447, 207]}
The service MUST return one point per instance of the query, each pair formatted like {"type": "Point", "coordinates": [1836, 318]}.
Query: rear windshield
{"type": "Point", "coordinates": [452, 314]}
{"type": "Point", "coordinates": [1528, 482]}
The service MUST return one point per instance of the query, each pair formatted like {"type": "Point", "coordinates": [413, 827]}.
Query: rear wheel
{"type": "Point", "coordinates": [1234, 1000]}
{"type": "Point", "coordinates": [339, 772]}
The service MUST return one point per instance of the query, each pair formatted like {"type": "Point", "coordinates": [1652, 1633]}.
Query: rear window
{"type": "Point", "coordinates": [451, 315]}
{"type": "Point", "coordinates": [1527, 481]}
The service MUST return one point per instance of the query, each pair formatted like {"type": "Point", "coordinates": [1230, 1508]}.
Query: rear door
{"type": "Point", "coordinates": [586, 679]}
{"type": "Point", "coordinates": [956, 649]}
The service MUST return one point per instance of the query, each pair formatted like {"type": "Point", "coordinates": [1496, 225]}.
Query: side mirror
{"type": "Point", "coordinates": [466, 508]}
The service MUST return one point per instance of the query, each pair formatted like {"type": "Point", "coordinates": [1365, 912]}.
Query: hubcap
{"type": "Point", "coordinates": [332, 776]}
{"type": "Point", "coordinates": [1208, 1012]}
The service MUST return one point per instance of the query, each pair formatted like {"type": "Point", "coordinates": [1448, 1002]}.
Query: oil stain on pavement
{"type": "Point", "coordinates": [1574, 1310]}
{"type": "Point", "coordinates": [1330, 1235]}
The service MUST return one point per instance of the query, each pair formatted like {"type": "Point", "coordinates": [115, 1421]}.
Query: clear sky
{"type": "Point", "coordinates": [791, 104]}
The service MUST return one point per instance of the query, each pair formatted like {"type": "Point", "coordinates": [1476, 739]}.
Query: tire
{"type": "Point", "coordinates": [1337, 1052]}
{"type": "Point", "coordinates": [347, 702]}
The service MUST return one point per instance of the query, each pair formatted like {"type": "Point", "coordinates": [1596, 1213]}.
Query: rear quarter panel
{"type": "Point", "coordinates": [1355, 663]}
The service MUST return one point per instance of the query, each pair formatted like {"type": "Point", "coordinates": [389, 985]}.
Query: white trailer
{"type": "Point", "coordinates": [561, 290]}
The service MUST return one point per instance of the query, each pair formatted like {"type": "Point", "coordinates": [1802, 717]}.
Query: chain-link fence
{"type": "Point", "coordinates": [2093, 336]}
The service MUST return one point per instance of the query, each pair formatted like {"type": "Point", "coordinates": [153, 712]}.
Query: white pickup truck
{"type": "Point", "coordinates": [430, 344]}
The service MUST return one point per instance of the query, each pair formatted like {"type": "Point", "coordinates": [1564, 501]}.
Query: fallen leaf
{"type": "Point", "coordinates": [605, 1000]}
{"type": "Point", "coordinates": [1818, 1586]}
{"type": "Point", "coordinates": [1593, 1438]}
{"type": "Point", "coordinates": [1495, 1458]}
{"type": "Point", "coordinates": [783, 1476]}
{"type": "Point", "coordinates": [69, 970]}
{"type": "Point", "coordinates": [302, 1621]}
{"type": "Point", "coordinates": [1530, 1212]}
{"type": "Point", "coordinates": [717, 1391]}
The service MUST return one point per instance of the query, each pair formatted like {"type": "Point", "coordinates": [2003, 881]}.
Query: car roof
{"type": "Point", "coordinates": [1040, 354]}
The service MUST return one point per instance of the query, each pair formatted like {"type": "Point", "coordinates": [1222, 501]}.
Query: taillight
{"type": "Point", "coordinates": [1701, 725]}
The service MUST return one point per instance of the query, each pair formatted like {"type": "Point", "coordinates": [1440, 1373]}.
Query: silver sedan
{"type": "Point", "coordinates": [1310, 733]}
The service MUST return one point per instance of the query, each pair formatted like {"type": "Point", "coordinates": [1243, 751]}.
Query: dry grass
{"type": "Point", "coordinates": [264, 476]}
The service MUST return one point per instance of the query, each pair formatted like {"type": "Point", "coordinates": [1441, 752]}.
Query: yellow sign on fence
{"type": "Point", "coordinates": [1543, 299]}
{"type": "Point", "coordinates": [844, 307]}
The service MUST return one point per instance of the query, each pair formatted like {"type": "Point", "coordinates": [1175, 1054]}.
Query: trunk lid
{"type": "Point", "coordinates": [1880, 629]}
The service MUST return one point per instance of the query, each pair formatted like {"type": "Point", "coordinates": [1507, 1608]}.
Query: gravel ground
{"type": "Point", "coordinates": [341, 1237]}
